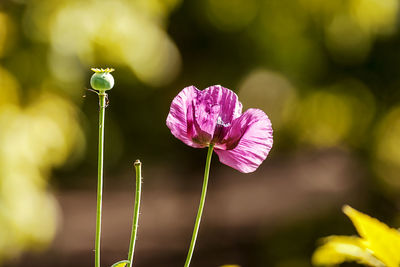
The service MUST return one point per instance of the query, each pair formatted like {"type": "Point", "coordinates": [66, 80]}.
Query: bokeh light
{"type": "Point", "coordinates": [334, 116]}
{"type": "Point", "coordinates": [231, 15]}
{"type": "Point", "coordinates": [351, 27]}
{"type": "Point", "coordinates": [33, 139]}
{"type": "Point", "coordinates": [271, 92]}
{"type": "Point", "coordinates": [386, 149]}
{"type": "Point", "coordinates": [346, 40]}
{"type": "Point", "coordinates": [376, 16]}
{"type": "Point", "coordinates": [118, 32]}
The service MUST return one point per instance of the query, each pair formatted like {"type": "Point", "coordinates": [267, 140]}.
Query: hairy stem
{"type": "Point", "coordinates": [138, 170]}
{"type": "Point", "coordinates": [201, 206]}
{"type": "Point", "coordinates": [102, 111]}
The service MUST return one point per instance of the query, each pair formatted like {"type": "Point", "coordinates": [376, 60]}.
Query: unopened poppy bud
{"type": "Point", "coordinates": [102, 79]}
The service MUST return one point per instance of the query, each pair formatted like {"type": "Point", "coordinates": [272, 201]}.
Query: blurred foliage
{"type": "Point", "coordinates": [45, 50]}
{"type": "Point", "coordinates": [122, 32]}
{"type": "Point", "coordinates": [326, 72]}
{"type": "Point", "coordinates": [378, 245]}
{"type": "Point", "coordinates": [34, 138]}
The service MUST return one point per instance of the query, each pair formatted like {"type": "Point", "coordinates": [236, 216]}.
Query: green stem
{"type": "Point", "coordinates": [138, 170]}
{"type": "Point", "coordinates": [201, 206]}
{"type": "Point", "coordinates": [102, 111]}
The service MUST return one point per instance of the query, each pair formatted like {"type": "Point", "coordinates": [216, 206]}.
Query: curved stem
{"type": "Point", "coordinates": [201, 206]}
{"type": "Point", "coordinates": [102, 104]}
{"type": "Point", "coordinates": [138, 170]}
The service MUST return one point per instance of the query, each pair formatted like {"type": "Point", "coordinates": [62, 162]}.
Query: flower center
{"type": "Point", "coordinates": [221, 128]}
{"type": "Point", "coordinates": [221, 122]}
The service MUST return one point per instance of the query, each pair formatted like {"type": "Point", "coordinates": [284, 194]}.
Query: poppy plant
{"type": "Point", "coordinates": [102, 81]}
{"type": "Point", "coordinates": [213, 118]}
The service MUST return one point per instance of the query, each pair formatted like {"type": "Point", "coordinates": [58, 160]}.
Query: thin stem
{"type": "Point", "coordinates": [138, 170]}
{"type": "Point", "coordinates": [102, 111]}
{"type": "Point", "coordinates": [201, 206]}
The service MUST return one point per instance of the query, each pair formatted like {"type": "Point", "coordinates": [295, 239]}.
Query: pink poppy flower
{"type": "Point", "coordinates": [214, 116]}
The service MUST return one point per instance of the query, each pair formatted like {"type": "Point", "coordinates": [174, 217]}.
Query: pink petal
{"type": "Point", "coordinates": [180, 116]}
{"type": "Point", "coordinates": [215, 106]}
{"type": "Point", "coordinates": [231, 108]}
{"type": "Point", "coordinates": [253, 131]}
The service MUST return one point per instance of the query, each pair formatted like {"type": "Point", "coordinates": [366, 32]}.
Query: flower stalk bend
{"type": "Point", "coordinates": [138, 170]}
{"type": "Point", "coordinates": [201, 205]}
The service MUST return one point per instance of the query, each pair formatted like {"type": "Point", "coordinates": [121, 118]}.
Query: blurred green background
{"type": "Point", "coordinates": [327, 72]}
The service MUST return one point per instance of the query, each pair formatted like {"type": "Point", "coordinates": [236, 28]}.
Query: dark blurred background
{"type": "Point", "coordinates": [327, 72]}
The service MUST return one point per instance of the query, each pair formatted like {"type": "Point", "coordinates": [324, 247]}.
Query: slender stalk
{"type": "Point", "coordinates": [138, 170]}
{"type": "Point", "coordinates": [102, 111]}
{"type": "Point", "coordinates": [201, 206]}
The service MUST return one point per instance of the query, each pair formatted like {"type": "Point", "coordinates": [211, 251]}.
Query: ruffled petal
{"type": "Point", "coordinates": [215, 109]}
{"type": "Point", "coordinates": [226, 99]}
{"type": "Point", "coordinates": [180, 117]}
{"type": "Point", "coordinates": [252, 132]}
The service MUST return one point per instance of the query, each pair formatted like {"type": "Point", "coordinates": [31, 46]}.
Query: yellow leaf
{"type": "Point", "coordinates": [381, 240]}
{"type": "Point", "coordinates": [338, 249]}
{"type": "Point", "coordinates": [123, 263]}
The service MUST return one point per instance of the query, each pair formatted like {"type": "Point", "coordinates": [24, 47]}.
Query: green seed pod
{"type": "Point", "coordinates": [102, 79]}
